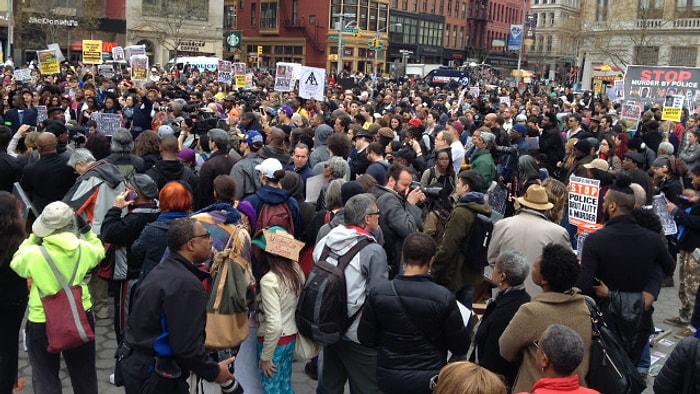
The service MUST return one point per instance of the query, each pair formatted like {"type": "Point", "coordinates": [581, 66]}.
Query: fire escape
{"type": "Point", "coordinates": [291, 23]}
{"type": "Point", "coordinates": [478, 20]}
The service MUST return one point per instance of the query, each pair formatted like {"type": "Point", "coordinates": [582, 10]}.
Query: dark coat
{"type": "Point", "coordinates": [172, 170]}
{"type": "Point", "coordinates": [552, 145]}
{"type": "Point", "coordinates": [690, 239]}
{"type": "Point", "coordinates": [219, 163]}
{"type": "Point", "coordinates": [28, 118]}
{"type": "Point", "coordinates": [126, 230]}
{"type": "Point", "coordinates": [407, 358]}
{"type": "Point", "coordinates": [47, 180]}
{"type": "Point", "coordinates": [674, 371]}
{"type": "Point", "coordinates": [623, 255]}
{"type": "Point", "coordinates": [10, 171]}
{"type": "Point", "coordinates": [174, 293]}
{"type": "Point", "coordinates": [359, 164]}
{"type": "Point", "coordinates": [495, 320]}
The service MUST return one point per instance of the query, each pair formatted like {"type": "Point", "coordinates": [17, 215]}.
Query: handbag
{"type": "Point", "coordinates": [610, 370]}
{"type": "Point", "coordinates": [67, 325]}
{"type": "Point", "coordinates": [227, 308]}
{"type": "Point", "coordinates": [305, 349]}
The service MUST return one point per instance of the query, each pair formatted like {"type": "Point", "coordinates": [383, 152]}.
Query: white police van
{"type": "Point", "coordinates": [200, 62]}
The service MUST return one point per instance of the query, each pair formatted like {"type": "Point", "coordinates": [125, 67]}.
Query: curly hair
{"type": "Point", "coordinates": [339, 144]}
{"type": "Point", "coordinates": [557, 195]}
{"type": "Point", "coordinates": [146, 143]}
{"type": "Point", "coordinates": [11, 227]}
{"type": "Point", "coordinates": [559, 267]}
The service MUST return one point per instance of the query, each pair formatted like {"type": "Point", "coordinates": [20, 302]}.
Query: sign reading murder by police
{"type": "Point", "coordinates": [92, 51]}
{"type": "Point", "coordinates": [651, 84]}
{"type": "Point", "coordinates": [583, 200]}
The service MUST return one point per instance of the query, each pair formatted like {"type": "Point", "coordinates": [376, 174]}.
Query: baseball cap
{"type": "Point", "coordinates": [287, 110]}
{"type": "Point", "coordinates": [268, 167]}
{"type": "Point", "coordinates": [165, 130]}
{"type": "Point", "coordinates": [253, 138]}
{"type": "Point", "coordinates": [415, 122]}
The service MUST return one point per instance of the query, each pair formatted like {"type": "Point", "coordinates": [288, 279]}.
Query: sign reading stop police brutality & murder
{"type": "Point", "coordinates": [583, 200]}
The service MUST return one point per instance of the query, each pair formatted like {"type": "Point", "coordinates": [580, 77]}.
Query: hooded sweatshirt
{"type": "Point", "coordinates": [368, 267]}
{"type": "Point", "coordinates": [320, 153]}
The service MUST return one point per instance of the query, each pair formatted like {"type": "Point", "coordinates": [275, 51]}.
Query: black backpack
{"type": "Point", "coordinates": [322, 311]}
{"type": "Point", "coordinates": [477, 246]}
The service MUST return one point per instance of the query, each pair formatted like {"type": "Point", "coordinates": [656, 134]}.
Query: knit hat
{"type": "Point", "coordinates": [583, 146]}
{"type": "Point", "coordinates": [350, 189]}
{"type": "Point", "coordinates": [521, 128]}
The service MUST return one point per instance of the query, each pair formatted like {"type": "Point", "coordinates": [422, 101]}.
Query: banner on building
{"type": "Point", "coordinates": [284, 78]}
{"type": "Point", "coordinates": [515, 37]}
{"type": "Point", "coordinates": [92, 51]}
{"type": "Point", "coordinates": [48, 63]}
{"type": "Point", "coordinates": [224, 72]}
{"type": "Point", "coordinates": [312, 83]}
{"type": "Point", "coordinates": [583, 200]}
{"type": "Point", "coordinates": [139, 68]}
{"type": "Point", "coordinates": [651, 84]}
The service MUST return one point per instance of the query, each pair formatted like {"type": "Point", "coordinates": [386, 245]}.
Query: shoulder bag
{"type": "Point", "coordinates": [610, 370]}
{"type": "Point", "coordinates": [67, 325]}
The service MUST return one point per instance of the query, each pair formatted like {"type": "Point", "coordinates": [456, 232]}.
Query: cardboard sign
{"type": "Point", "coordinates": [139, 68]}
{"type": "Point", "coordinates": [583, 200]}
{"type": "Point", "coordinates": [92, 51]}
{"type": "Point", "coordinates": [282, 244]}
{"type": "Point", "coordinates": [48, 63]}
{"type": "Point", "coordinates": [118, 55]}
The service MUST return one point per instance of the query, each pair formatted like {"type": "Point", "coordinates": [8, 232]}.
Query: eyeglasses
{"type": "Point", "coordinates": [373, 213]}
{"type": "Point", "coordinates": [205, 235]}
{"type": "Point", "coordinates": [536, 342]}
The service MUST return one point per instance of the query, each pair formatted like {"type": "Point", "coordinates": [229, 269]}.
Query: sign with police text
{"type": "Point", "coordinates": [92, 51]}
{"type": "Point", "coordinates": [583, 200]}
{"type": "Point", "coordinates": [651, 84]}
{"type": "Point", "coordinates": [48, 63]}
{"type": "Point", "coordinates": [312, 83]}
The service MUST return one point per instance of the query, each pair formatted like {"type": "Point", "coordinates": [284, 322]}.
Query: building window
{"type": "Point", "coordinates": [688, 9]}
{"type": "Point", "coordinates": [383, 17]}
{"type": "Point", "coordinates": [404, 5]}
{"type": "Point", "coordinates": [551, 19]}
{"type": "Point", "coordinates": [548, 45]}
{"type": "Point", "coordinates": [447, 35]}
{"type": "Point", "coordinates": [241, 5]}
{"type": "Point", "coordinates": [464, 10]}
{"type": "Point", "coordinates": [364, 15]}
{"type": "Point", "coordinates": [432, 9]}
{"type": "Point", "coordinates": [461, 37]}
{"type": "Point", "coordinates": [425, 5]}
{"type": "Point", "coordinates": [646, 55]}
{"type": "Point", "coordinates": [173, 9]}
{"type": "Point", "coordinates": [601, 12]}
{"type": "Point", "coordinates": [442, 7]}
{"type": "Point", "coordinates": [454, 36]}
{"type": "Point", "coordinates": [253, 15]}
{"type": "Point", "coordinates": [651, 9]}
{"type": "Point", "coordinates": [414, 6]}
{"type": "Point", "coordinates": [394, 4]}
{"type": "Point", "coordinates": [230, 17]}
{"type": "Point", "coordinates": [268, 15]}
{"type": "Point", "coordinates": [449, 7]}
{"type": "Point", "coordinates": [683, 56]}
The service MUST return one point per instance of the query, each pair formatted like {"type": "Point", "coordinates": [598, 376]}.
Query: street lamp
{"type": "Point", "coordinates": [520, 50]}
{"type": "Point", "coordinates": [376, 50]}
{"type": "Point", "coordinates": [341, 27]}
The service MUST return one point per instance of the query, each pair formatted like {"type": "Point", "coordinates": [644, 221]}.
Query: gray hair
{"type": "Point", "coordinates": [80, 155]}
{"type": "Point", "coordinates": [665, 148]}
{"type": "Point", "coordinates": [514, 265]}
{"type": "Point", "coordinates": [357, 207]}
{"type": "Point", "coordinates": [334, 197]}
{"type": "Point", "coordinates": [338, 167]}
{"type": "Point", "coordinates": [489, 139]}
{"type": "Point", "coordinates": [122, 141]}
{"type": "Point", "coordinates": [220, 138]}
{"type": "Point", "coordinates": [564, 348]}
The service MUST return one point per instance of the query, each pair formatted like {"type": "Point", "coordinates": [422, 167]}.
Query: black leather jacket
{"type": "Point", "coordinates": [682, 364]}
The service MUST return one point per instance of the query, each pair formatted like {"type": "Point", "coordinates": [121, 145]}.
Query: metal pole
{"type": "Point", "coordinates": [520, 50]}
{"type": "Point", "coordinates": [341, 27]}
{"type": "Point", "coordinates": [376, 56]}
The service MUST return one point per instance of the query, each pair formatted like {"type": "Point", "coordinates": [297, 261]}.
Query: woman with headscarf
{"type": "Point", "coordinates": [482, 160]}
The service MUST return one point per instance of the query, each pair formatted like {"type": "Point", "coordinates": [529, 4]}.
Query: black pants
{"type": "Point", "coordinates": [45, 366]}
{"type": "Point", "coordinates": [138, 366]}
{"type": "Point", "coordinates": [12, 313]}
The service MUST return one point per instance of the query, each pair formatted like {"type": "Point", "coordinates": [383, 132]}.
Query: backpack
{"type": "Point", "coordinates": [275, 215]}
{"type": "Point", "coordinates": [476, 248]}
{"type": "Point", "coordinates": [322, 310]}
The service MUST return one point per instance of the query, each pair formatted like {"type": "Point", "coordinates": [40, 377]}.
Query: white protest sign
{"type": "Point", "coordinates": [249, 80]}
{"type": "Point", "coordinates": [284, 79]}
{"type": "Point", "coordinates": [474, 91]}
{"type": "Point", "coordinates": [118, 55]}
{"type": "Point", "coordinates": [59, 54]}
{"type": "Point", "coordinates": [23, 75]}
{"type": "Point", "coordinates": [583, 200]}
{"type": "Point", "coordinates": [504, 100]}
{"type": "Point", "coordinates": [661, 208]}
{"type": "Point", "coordinates": [133, 50]}
{"type": "Point", "coordinates": [106, 70]}
{"type": "Point", "coordinates": [223, 72]}
{"type": "Point", "coordinates": [41, 113]}
{"type": "Point", "coordinates": [311, 84]}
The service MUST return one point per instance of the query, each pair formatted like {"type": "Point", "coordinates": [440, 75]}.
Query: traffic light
{"type": "Point", "coordinates": [259, 50]}
{"type": "Point", "coordinates": [375, 42]}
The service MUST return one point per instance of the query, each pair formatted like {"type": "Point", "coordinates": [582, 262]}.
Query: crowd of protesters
{"type": "Point", "coordinates": [396, 163]}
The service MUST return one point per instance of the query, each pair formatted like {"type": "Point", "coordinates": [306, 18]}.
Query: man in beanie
{"type": "Point", "coordinates": [219, 163]}
{"type": "Point", "coordinates": [61, 132]}
{"type": "Point", "coordinates": [122, 147]}
{"type": "Point", "coordinates": [75, 250]}
{"type": "Point", "coordinates": [626, 261]}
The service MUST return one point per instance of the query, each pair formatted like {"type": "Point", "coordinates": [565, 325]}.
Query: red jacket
{"type": "Point", "coordinates": [567, 384]}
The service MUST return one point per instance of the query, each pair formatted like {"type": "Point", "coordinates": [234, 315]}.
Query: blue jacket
{"type": "Point", "coordinates": [273, 195]}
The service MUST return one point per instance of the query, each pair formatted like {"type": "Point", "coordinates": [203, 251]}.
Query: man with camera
{"type": "Point", "coordinates": [399, 214]}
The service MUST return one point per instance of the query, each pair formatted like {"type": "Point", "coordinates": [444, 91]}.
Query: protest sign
{"type": "Point", "coordinates": [660, 206]}
{"type": "Point", "coordinates": [106, 70]}
{"type": "Point", "coordinates": [239, 68]}
{"type": "Point", "coordinates": [504, 100]}
{"type": "Point", "coordinates": [248, 81]}
{"type": "Point", "coordinates": [133, 50]}
{"type": "Point", "coordinates": [312, 83]}
{"type": "Point", "coordinates": [139, 67]}
{"type": "Point", "coordinates": [651, 84]}
{"type": "Point", "coordinates": [282, 244]}
{"type": "Point", "coordinates": [23, 75]}
{"type": "Point", "coordinates": [25, 204]}
{"type": "Point", "coordinates": [241, 82]}
{"type": "Point", "coordinates": [583, 200]}
{"type": "Point", "coordinates": [107, 123]}
{"type": "Point", "coordinates": [498, 198]}
{"type": "Point", "coordinates": [118, 54]}
{"type": "Point", "coordinates": [92, 51]}
{"type": "Point", "coordinates": [223, 72]}
{"type": "Point", "coordinates": [631, 113]}
{"type": "Point", "coordinates": [48, 64]}
{"type": "Point", "coordinates": [57, 49]}
{"type": "Point", "coordinates": [673, 106]}
{"type": "Point", "coordinates": [284, 80]}
{"type": "Point", "coordinates": [619, 89]}
{"type": "Point", "coordinates": [474, 91]}
{"type": "Point", "coordinates": [41, 113]}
